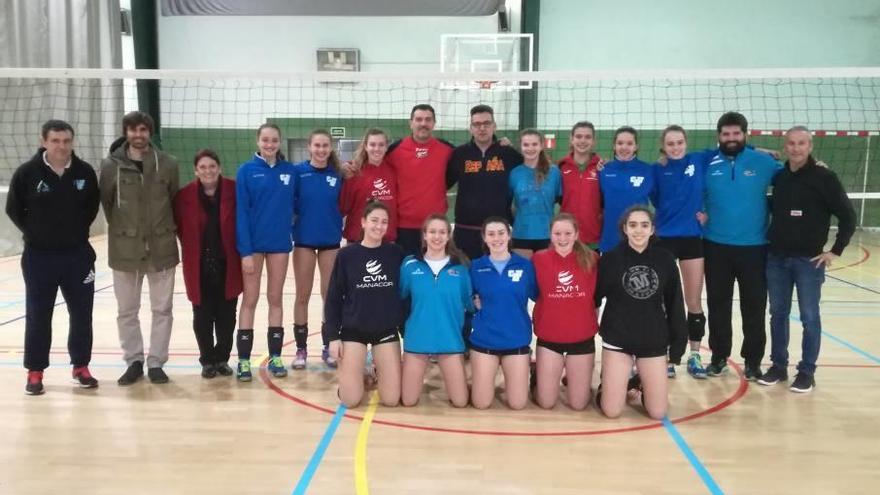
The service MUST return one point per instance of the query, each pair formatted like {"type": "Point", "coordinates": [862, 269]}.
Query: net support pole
{"type": "Point", "coordinates": [865, 181]}
{"type": "Point", "coordinates": [146, 56]}
{"type": "Point", "coordinates": [528, 98]}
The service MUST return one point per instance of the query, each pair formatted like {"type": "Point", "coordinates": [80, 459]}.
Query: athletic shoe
{"type": "Point", "coordinates": [634, 383]}
{"type": "Point", "coordinates": [134, 373]}
{"type": "Point", "coordinates": [327, 358]}
{"type": "Point", "coordinates": [695, 366]}
{"type": "Point", "coordinates": [209, 371]}
{"type": "Point", "coordinates": [276, 367]}
{"type": "Point", "coordinates": [773, 376]}
{"type": "Point", "coordinates": [34, 383]}
{"type": "Point", "coordinates": [157, 376]}
{"type": "Point", "coordinates": [244, 370]}
{"type": "Point", "coordinates": [83, 378]}
{"type": "Point", "coordinates": [716, 369]}
{"type": "Point", "coordinates": [299, 361]}
{"type": "Point", "coordinates": [224, 369]}
{"type": "Point", "coordinates": [803, 383]}
{"type": "Point", "coordinates": [752, 373]}
{"type": "Point", "coordinates": [370, 368]}
{"type": "Point", "coordinates": [670, 370]}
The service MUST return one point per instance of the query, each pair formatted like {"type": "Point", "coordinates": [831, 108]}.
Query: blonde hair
{"type": "Point", "coordinates": [333, 159]}
{"type": "Point", "coordinates": [360, 156]}
{"type": "Point", "coordinates": [586, 257]}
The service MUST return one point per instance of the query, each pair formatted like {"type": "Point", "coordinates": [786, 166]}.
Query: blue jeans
{"type": "Point", "coordinates": [783, 274]}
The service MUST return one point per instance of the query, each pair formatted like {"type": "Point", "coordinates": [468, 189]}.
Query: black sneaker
{"type": "Point", "coordinates": [803, 383]}
{"type": "Point", "coordinates": [774, 375]}
{"type": "Point", "coordinates": [34, 383]}
{"type": "Point", "coordinates": [157, 376]}
{"type": "Point", "coordinates": [83, 378]}
{"type": "Point", "coordinates": [208, 371]}
{"type": "Point", "coordinates": [224, 369]}
{"type": "Point", "coordinates": [753, 373]}
{"type": "Point", "coordinates": [134, 373]}
{"type": "Point", "coordinates": [716, 369]}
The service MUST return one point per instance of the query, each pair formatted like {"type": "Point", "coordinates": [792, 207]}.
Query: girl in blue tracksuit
{"type": "Point", "coordinates": [264, 190]}
{"type": "Point", "coordinates": [317, 233]}
{"type": "Point", "coordinates": [678, 198]}
{"type": "Point", "coordinates": [536, 188]}
{"type": "Point", "coordinates": [503, 284]}
{"type": "Point", "coordinates": [624, 181]}
{"type": "Point", "coordinates": [439, 289]}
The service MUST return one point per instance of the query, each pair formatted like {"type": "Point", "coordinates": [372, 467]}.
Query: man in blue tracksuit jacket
{"type": "Point", "coordinates": [735, 242]}
{"type": "Point", "coordinates": [503, 322]}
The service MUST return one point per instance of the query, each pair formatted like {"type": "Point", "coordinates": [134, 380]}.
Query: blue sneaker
{"type": "Point", "coordinates": [670, 370]}
{"type": "Point", "coordinates": [695, 367]}
{"type": "Point", "coordinates": [276, 367]}
{"type": "Point", "coordinates": [244, 370]}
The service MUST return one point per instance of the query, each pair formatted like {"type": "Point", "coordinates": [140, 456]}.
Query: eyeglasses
{"type": "Point", "coordinates": [483, 125]}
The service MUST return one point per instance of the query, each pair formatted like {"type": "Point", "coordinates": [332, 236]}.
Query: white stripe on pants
{"type": "Point", "coordinates": [128, 286]}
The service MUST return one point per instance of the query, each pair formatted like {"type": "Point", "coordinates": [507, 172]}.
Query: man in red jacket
{"type": "Point", "coordinates": [204, 211]}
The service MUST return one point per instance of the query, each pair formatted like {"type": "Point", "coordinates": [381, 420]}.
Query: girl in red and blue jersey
{"type": "Point", "coordinates": [502, 330]}
{"type": "Point", "coordinates": [265, 194]}
{"type": "Point", "coordinates": [678, 198]}
{"type": "Point", "coordinates": [624, 181]}
{"type": "Point", "coordinates": [317, 234]}
{"type": "Point", "coordinates": [374, 179]}
{"type": "Point", "coordinates": [565, 316]}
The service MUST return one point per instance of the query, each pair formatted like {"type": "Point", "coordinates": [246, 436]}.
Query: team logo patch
{"type": "Point", "coordinates": [717, 173]}
{"type": "Point", "coordinates": [380, 184]}
{"type": "Point", "coordinates": [749, 173]}
{"type": "Point", "coordinates": [566, 288]}
{"type": "Point", "coordinates": [689, 171]}
{"type": "Point", "coordinates": [374, 277]}
{"type": "Point", "coordinates": [332, 181]}
{"type": "Point", "coordinates": [79, 184]}
{"type": "Point", "coordinates": [641, 282]}
{"type": "Point", "coordinates": [374, 267]}
{"type": "Point", "coordinates": [285, 178]}
{"type": "Point", "coordinates": [421, 152]}
{"type": "Point", "coordinates": [515, 275]}
{"type": "Point", "coordinates": [565, 277]}
{"type": "Point", "coordinates": [636, 181]}
{"type": "Point", "coordinates": [797, 213]}
{"type": "Point", "coordinates": [42, 187]}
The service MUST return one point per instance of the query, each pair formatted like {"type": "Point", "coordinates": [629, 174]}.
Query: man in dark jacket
{"type": "Point", "coordinates": [805, 196]}
{"type": "Point", "coordinates": [53, 199]}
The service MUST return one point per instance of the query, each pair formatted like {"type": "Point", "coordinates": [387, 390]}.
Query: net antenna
{"type": "Point", "coordinates": [478, 56]}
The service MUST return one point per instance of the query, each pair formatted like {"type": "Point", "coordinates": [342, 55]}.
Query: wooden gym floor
{"type": "Point", "coordinates": [280, 436]}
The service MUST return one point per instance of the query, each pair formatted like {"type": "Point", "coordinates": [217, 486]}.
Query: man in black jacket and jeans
{"type": "Point", "coordinates": [53, 199]}
{"type": "Point", "coordinates": [805, 196]}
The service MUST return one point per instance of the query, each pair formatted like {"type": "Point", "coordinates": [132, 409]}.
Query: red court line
{"type": "Point", "coordinates": [738, 394]}
{"type": "Point", "coordinates": [865, 255]}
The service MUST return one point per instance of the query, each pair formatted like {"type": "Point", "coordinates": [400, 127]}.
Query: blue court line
{"type": "Point", "coordinates": [844, 343]}
{"type": "Point", "coordinates": [56, 305]}
{"type": "Point", "coordinates": [710, 483]}
{"type": "Point", "coordinates": [306, 477]}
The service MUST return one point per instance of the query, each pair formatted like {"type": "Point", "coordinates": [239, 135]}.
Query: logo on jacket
{"type": "Point", "coordinates": [381, 189]}
{"type": "Point", "coordinates": [566, 289]}
{"type": "Point", "coordinates": [42, 187]}
{"type": "Point", "coordinates": [514, 275]}
{"type": "Point", "coordinates": [79, 184]}
{"type": "Point", "coordinates": [421, 152]}
{"type": "Point", "coordinates": [749, 173]}
{"type": "Point", "coordinates": [636, 181]}
{"type": "Point", "coordinates": [285, 178]}
{"type": "Point", "coordinates": [641, 282]}
{"type": "Point", "coordinates": [689, 171]}
{"type": "Point", "coordinates": [332, 181]}
{"type": "Point", "coordinates": [374, 277]}
{"type": "Point", "coordinates": [380, 184]}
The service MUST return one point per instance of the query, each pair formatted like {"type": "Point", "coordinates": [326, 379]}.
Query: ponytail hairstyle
{"type": "Point", "coordinates": [543, 167]}
{"type": "Point", "coordinates": [333, 159]}
{"type": "Point", "coordinates": [279, 156]}
{"type": "Point", "coordinates": [360, 156]}
{"type": "Point", "coordinates": [669, 128]}
{"type": "Point", "coordinates": [451, 249]}
{"type": "Point", "coordinates": [586, 257]}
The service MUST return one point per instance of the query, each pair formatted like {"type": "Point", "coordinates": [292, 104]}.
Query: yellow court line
{"type": "Point", "coordinates": [361, 483]}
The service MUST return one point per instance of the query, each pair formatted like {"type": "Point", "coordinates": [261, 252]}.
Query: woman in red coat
{"type": "Point", "coordinates": [204, 211]}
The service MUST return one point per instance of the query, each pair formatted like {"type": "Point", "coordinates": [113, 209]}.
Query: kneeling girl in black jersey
{"type": "Point", "coordinates": [364, 308]}
{"type": "Point", "coordinates": [644, 314]}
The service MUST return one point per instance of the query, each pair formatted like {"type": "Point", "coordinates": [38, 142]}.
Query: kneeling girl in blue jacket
{"type": "Point", "coordinates": [439, 288]}
{"type": "Point", "coordinates": [503, 284]}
